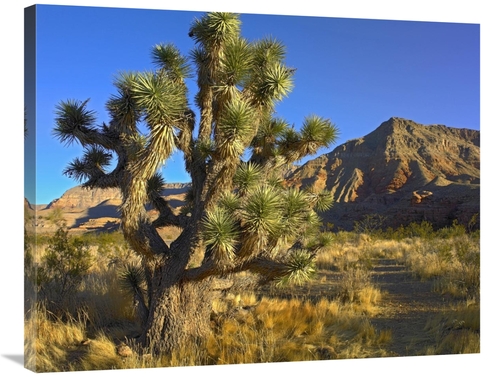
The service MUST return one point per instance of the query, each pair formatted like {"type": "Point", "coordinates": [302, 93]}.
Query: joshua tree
{"type": "Point", "coordinates": [240, 217]}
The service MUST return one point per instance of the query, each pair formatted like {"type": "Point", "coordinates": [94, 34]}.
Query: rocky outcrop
{"type": "Point", "coordinates": [82, 198]}
{"type": "Point", "coordinates": [96, 209]}
{"type": "Point", "coordinates": [404, 171]}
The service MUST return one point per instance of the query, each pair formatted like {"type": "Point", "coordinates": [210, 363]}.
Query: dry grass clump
{"type": "Point", "coordinates": [343, 251]}
{"type": "Point", "coordinates": [356, 289]}
{"type": "Point", "coordinates": [456, 331]}
{"type": "Point", "coordinates": [49, 340]}
{"type": "Point", "coordinates": [352, 258]}
{"type": "Point", "coordinates": [387, 248]}
{"type": "Point", "coordinates": [454, 263]}
{"type": "Point", "coordinates": [56, 345]}
{"type": "Point", "coordinates": [100, 354]}
{"type": "Point", "coordinates": [105, 303]}
{"type": "Point", "coordinates": [276, 330]}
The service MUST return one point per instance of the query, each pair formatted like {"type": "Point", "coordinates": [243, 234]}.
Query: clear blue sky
{"type": "Point", "coordinates": [357, 72]}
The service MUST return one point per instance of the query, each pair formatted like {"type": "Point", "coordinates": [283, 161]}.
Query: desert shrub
{"type": "Point", "coordinates": [462, 274]}
{"type": "Point", "coordinates": [423, 230]}
{"type": "Point", "coordinates": [386, 249]}
{"type": "Point", "coordinates": [455, 230]}
{"type": "Point", "coordinates": [105, 239]}
{"type": "Point", "coordinates": [110, 247]}
{"type": "Point", "coordinates": [454, 263]}
{"type": "Point", "coordinates": [65, 262]}
{"type": "Point", "coordinates": [344, 237]}
{"type": "Point", "coordinates": [56, 216]}
{"type": "Point", "coordinates": [353, 281]}
{"type": "Point", "coordinates": [345, 250]}
{"type": "Point", "coordinates": [424, 259]}
{"type": "Point", "coordinates": [370, 224]}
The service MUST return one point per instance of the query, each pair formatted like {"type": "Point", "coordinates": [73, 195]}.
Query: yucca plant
{"type": "Point", "coordinates": [132, 280]}
{"type": "Point", "coordinates": [238, 216]}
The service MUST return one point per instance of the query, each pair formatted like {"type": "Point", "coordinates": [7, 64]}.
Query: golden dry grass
{"type": "Point", "coordinates": [48, 340]}
{"type": "Point", "coordinates": [253, 327]}
{"type": "Point", "coordinates": [456, 331]}
{"type": "Point", "coordinates": [359, 251]}
{"type": "Point", "coordinates": [453, 262]}
{"type": "Point", "coordinates": [277, 329]}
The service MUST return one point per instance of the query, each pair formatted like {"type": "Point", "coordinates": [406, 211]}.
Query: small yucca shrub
{"type": "Point", "coordinates": [132, 281]}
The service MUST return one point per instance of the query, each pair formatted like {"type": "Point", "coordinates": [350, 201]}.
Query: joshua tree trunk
{"type": "Point", "coordinates": [179, 318]}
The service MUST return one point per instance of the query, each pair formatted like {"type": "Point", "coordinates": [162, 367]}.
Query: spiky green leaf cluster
{"type": "Point", "coordinates": [73, 120]}
{"type": "Point", "coordinates": [214, 29]}
{"type": "Point", "coordinates": [268, 135]}
{"type": "Point", "coordinates": [230, 202]}
{"type": "Point", "coordinates": [273, 84]}
{"type": "Point", "coordinates": [155, 186]}
{"type": "Point", "coordinates": [321, 200]}
{"type": "Point", "coordinates": [122, 107]}
{"type": "Point", "coordinates": [161, 100]}
{"type": "Point", "coordinates": [235, 64]}
{"type": "Point", "coordinates": [235, 127]}
{"type": "Point", "coordinates": [295, 212]}
{"type": "Point", "coordinates": [317, 132]}
{"type": "Point", "coordinates": [168, 59]}
{"type": "Point", "coordinates": [247, 176]}
{"type": "Point", "coordinates": [260, 211]}
{"type": "Point", "coordinates": [94, 161]}
{"type": "Point", "coordinates": [132, 279]}
{"type": "Point", "coordinates": [300, 268]}
{"type": "Point", "coordinates": [220, 235]}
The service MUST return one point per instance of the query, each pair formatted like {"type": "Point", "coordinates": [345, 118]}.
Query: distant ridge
{"type": "Point", "coordinates": [79, 197]}
{"type": "Point", "coordinates": [404, 171]}
{"type": "Point", "coordinates": [94, 209]}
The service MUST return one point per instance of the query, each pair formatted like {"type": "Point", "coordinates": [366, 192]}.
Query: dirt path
{"type": "Point", "coordinates": [406, 309]}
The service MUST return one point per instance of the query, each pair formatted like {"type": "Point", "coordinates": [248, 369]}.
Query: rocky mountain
{"type": "Point", "coordinates": [404, 171]}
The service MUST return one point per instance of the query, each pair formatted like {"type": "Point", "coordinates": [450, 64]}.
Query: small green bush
{"type": "Point", "coordinates": [62, 268]}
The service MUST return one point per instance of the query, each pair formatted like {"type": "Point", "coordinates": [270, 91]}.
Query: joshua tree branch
{"type": "Point", "coordinates": [167, 216]}
{"type": "Point", "coordinates": [269, 269]}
